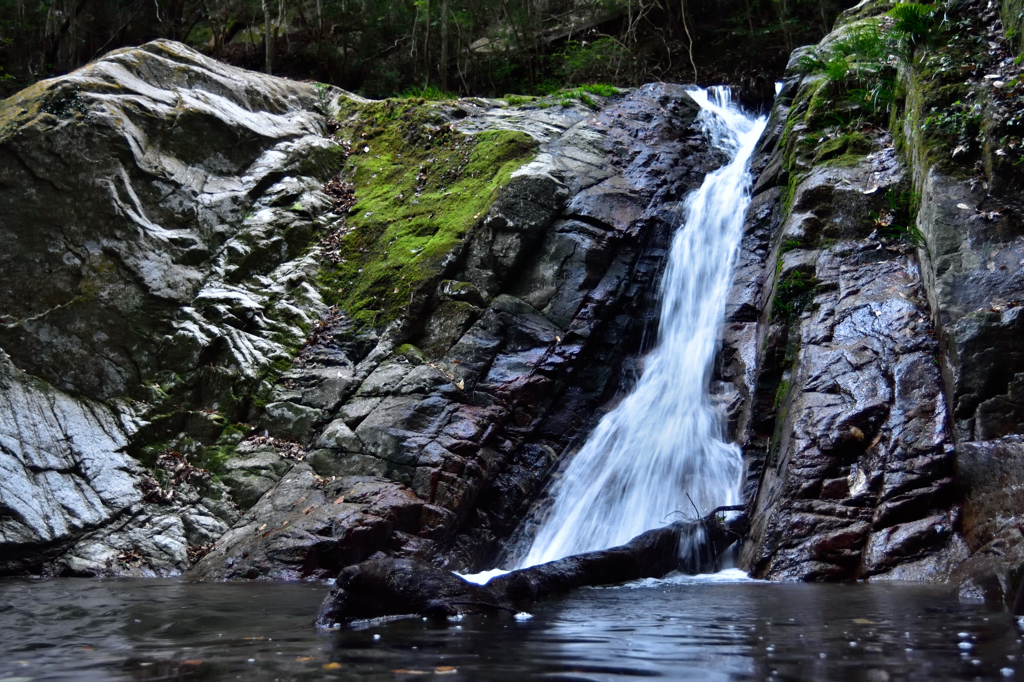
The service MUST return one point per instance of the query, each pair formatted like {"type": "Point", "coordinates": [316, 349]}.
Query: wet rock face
{"type": "Point", "coordinates": [123, 189]}
{"type": "Point", "coordinates": [443, 435]}
{"type": "Point", "coordinates": [152, 273]}
{"type": "Point", "coordinates": [838, 399]}
{"type": "Point", "coordinates": [161, 313]}
{"type": "Point", "coordinates": [976, 283]}
{"type": "Point", "coordinates": [873, 379]}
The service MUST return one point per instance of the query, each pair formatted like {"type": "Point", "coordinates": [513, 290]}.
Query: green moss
{"type": "Point", "coordinates": [213, 457]}
{"type": "Point", "coordinates": [788, 245]}
{"type": "Point", "coordinates": [789, 193]}
{"type": "Point", "coordinates": [19, 109]}
{"type": "Point", "coordinates": [1013, 20]}
{"type": "Point", "coordinates": [323, 163]}
{"type": "Point", "coordinates": [420, 187]}
{"type": "Point", "coordinates": [781, 394]}
{"type": "Point", "coordinates": [793, 294]}
{"type": "Point", "coordinates": [854, 145]}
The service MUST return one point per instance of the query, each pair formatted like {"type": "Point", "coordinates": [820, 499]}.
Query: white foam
{"type": "Point", "coordinates": [482, 578]}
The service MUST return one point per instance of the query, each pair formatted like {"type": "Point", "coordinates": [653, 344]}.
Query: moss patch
{"type": "Point", "coordinates": [420, 186]}
{"type": "Point", "coordinates": [793, 294]}
{"type": "Point", "coordinates": [853, 145]}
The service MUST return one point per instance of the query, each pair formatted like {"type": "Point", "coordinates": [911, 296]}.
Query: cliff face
{"type": "Point", "coordinates": [873, 350]}
{"type": "Point", "coordinates": [294, 327]}
{"type": "Point", "coordinates": [253, 328]}
{"type": "Point", "coordinates": [131, 194]}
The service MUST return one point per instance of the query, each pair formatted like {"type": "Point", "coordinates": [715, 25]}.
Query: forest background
{"type": "Point", "coordinates": [433, 48]}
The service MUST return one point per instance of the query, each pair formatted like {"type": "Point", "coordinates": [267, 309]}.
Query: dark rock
{"type": "Point", "coordinates": [384, 587]}
{"type": "Point", "coordinates": [465, 411]}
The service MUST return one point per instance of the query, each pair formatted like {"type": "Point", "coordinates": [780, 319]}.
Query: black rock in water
{"type": "Point", "coordinates": [383, 587]}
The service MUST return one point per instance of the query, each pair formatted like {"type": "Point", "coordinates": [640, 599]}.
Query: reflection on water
{"type": "Point", "coordinates": [676, 629]}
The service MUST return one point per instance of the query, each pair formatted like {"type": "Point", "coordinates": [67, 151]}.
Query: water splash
{"type": "Point", "coordinates": [661, 451]}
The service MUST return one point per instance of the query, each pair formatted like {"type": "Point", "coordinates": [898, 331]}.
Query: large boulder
{"type": "Point", "coordinates": [153, 273]}
{"type": "Point", "coordinates": [176, 231]}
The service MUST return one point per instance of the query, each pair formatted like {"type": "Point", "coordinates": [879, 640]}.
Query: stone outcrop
{"type": "Point", "coordinates": [131, 193]}
{"type": "Point", "coordinates": [442, 437]}
{"type": "Point", "coordinates": [871, 366]}
{"type": "Point", "coordinates": [175, 378]}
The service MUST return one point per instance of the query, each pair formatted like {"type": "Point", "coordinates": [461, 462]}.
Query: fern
{"type": "Point", "coordinates": [913, 25]}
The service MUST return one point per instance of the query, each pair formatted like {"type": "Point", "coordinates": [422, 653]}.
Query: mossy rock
{"type": "Point", "coordinates": [844, 150]}
{"type": "Point", "coordinates": [421, 185]}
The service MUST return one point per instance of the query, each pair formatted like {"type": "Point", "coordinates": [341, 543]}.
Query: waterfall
{"type": "Point", "coordinates": [661, 451]}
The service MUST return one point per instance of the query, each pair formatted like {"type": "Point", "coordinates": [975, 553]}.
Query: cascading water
{"type": "Point", "coordinates": [661, 450]}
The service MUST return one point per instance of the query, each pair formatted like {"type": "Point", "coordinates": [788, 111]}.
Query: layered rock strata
{"type": "Point", "coordinates": [175, 379]}
{"type": "Point", "coordinates": [870, 366]}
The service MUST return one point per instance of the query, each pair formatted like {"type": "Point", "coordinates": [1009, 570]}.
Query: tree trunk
{"type": "Point", "coordinates": [426, 47]}
{"type": "Point", "coordinates": [444, 45]}
{"type": "Point", "coordinates": [268, 42]}
{"type": "Point", "coordinates": [392, 587]}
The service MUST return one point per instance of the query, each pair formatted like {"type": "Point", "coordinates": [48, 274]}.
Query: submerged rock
{"type": "Point", "coordinates": [381, 588]}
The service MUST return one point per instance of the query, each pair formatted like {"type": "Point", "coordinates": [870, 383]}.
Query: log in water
{"type": "Point", "coordinates": [385, 587]}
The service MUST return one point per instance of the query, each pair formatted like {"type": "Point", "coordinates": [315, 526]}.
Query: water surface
{"type": "Point", "coordinates": [170, 630]}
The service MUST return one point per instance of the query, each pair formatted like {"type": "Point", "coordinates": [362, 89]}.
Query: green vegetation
{"type": "Point", "coordinates": [420, 187]}
{"type": "Point", "coordinates": [913, 25]}
{"type": "Point", "coordinates": [896, 220]}
{"type": "Point", "coordinates": [384, 48]}
{"type": "Point", "coordinates": [430, 94]}
{"type": "Point", "coordinates": [781, 394]}
{"type": "Point", "coordinates": [793, 293]}
{"type": "Point", "coordinates": [845, 149]}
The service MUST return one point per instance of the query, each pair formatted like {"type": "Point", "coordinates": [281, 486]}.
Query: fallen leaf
{"type": "Point", "coordinates": [261, 528]}
{"type": "Point", "coordinates": [302, 659]}
{"type": "Point", "coordinates": [191, 661]}
{"type": "Point", "coordinates": [964, 207]}
{"type": "Point", "coordinates": [863, 621]}
{"type": "Point", "coordinates": [339, 500]}
{"type": "Point", "coordinates": [332, 666]}
{"type": "Point", "coordinates": [308, 509]}
{"type": "Point", "coordinates": [445, 670]}
{"type": "Point", "coordinates": [460, 384]}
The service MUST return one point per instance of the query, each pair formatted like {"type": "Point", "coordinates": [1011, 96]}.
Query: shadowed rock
{"type": "Point", "coordinates": [391, 587]}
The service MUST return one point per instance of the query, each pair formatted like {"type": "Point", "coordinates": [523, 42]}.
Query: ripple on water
{"type": "Point", "coordinates": [696, 629]}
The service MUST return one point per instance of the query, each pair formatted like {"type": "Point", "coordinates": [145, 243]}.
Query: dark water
{"type": "Point", "coordinates": [169, 630]}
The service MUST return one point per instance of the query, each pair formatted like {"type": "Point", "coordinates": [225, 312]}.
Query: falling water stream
{"type": "Point", "coordinates": [663, 443]}
{"type": "Point", "coordinates": [661, 451]}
